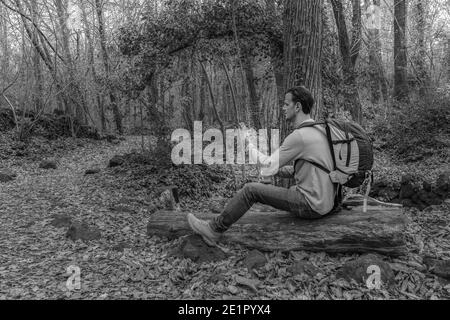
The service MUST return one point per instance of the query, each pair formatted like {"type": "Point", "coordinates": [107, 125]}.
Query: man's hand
{"type": "Point", "coordinates": [246, 133]}
{"type": "Point", "coordinates": [250, 139]}
{"type": "Point", "coordinates": [266, 180]}
{"type": "Point", "coordinates": [242, 126]}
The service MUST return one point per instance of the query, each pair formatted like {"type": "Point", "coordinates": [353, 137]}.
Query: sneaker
{"type": "Point", "coordinates": [202, 228]}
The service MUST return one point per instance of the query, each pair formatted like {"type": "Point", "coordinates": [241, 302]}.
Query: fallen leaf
{"type": "Point", "coordinates": [249, 283]}
{"type": "Point", "coordinates": [233, 289]}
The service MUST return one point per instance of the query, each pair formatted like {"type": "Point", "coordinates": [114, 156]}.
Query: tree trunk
{"type": "Point", "coordinates": [233, 95]}
{"type": "Point", "coordinates": [193, 87]}
{"type": "Point", "coordinates": [376, 70]}
{"type": "Point", "coordinates": [213, 101]}
{"type": "Point", "coordinates": [77, 105]}
{"type": "Point", "coordinates": [4, 67]}
{"type": "Point", "coordinates": [421, 52]}
{"type": "Point", "coordinates": [279, 82]}
{"type": "Point", "coordinates": [277, 64]}
{"type": "Point", "coordinates": [303, 48]}
{"type": "Point", "coordinates": [187, 107]}
{"type": "Point", "coordinates": [302, 55]}
{"type": "Point", "coordinates": [349, 54]}
{"type": "Point", "coordinates": [380, 230]}
{"type": "Point", "coordinates": [244, 105]}
{"type": "Point", "coordinates": [400, 57]}
{"type": "Point", "coordinates": [448, 58]}
{"type": "Point", "coordinates": [41, 48]}
{"type": "Point", "coordinates": [202, 102]}
{"type": "Point", "coordinates": [37, 68]}
{"type": "Point", "coordinates": [112, 96]}
{"type": "Point", "coordinates": [91, 63]}
{"type": "Point", "coordinates": [254, 99]}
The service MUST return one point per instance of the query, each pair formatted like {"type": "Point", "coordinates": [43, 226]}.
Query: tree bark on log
{"type": "Point", "coordinates": [380, 230]}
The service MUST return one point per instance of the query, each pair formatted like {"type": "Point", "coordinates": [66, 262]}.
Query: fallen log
{"type": "Point", "coordinates": [380, 230]}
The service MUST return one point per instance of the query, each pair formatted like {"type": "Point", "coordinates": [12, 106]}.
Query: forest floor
{"type": "Point", "coordinates": [126, 264]}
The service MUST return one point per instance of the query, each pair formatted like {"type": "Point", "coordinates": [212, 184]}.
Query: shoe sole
{"type": "Point", "coordinates": [208, 241]}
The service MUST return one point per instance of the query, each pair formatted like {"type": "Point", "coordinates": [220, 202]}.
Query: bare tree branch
{"type": "Point", "coordinates": [18, 11]}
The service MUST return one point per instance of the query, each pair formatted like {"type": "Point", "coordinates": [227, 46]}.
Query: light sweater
{"type": "Point", "coordinates": [306, 143]}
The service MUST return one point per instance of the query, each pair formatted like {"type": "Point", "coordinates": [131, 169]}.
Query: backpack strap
{"type": "Point", "coordinates": [347, 141]}
{"type": "Point", "coordinates": [319, 166]}
{"type": "Point", "coordinates": [330, 143]}
{"type": "Point", "coordinates": [309, 125]}
{"type": "Point", "coordinates": [338, 197]}
{"type": "Point", "coordinates": [349, 146]}
{"type": "Point", "coordinates": [338, 200]}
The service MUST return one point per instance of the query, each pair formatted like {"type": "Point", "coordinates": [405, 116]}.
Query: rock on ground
{"type": "Point", "coordinates": [303, 267]}
{"type": "Point", "coordinates": [358, 270]}
{"type": "Point", "coordinates": [61, 221]}
{"type": "Point", "coordinates": [121, 246]}
{"type": "Point", "coordinates": [384, 191]}
{"type": "Point", "coordinates": [169, 198]}
{"type": "Point", "coordinates": [92, 171]}
{"type": "Point", "coordinates": [7, 176]}
{"type": "Point", "coordinates": [116, 161]}
{"type": "Point", "coordinates": [81, 231]}
{"type": "Point", "coordinates": [443, 184]}
{"type": "Point", "coordinates": [193, 247]}
{"type": "Point", "coordinates": [438, 267]}
{"type": "Point", "coordinates": [254, 260]}
{"type": "Point", "coordinates": [428, 195]}
{"type": "Point", "coordinates": [48, 164]}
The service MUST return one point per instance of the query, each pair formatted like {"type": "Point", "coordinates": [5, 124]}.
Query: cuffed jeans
{"type": "Point", "coordinates": [290, 200]}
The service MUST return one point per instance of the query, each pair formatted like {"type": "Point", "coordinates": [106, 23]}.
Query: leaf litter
{"type": "Point", "coordinates": [34, 255]}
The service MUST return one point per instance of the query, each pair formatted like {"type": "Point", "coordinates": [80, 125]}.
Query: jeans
{"type": "Point", "coordinates": [290, 200]}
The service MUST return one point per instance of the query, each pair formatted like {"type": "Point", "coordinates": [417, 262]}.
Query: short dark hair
{"type": "Point", "coordinates": [304, 96]}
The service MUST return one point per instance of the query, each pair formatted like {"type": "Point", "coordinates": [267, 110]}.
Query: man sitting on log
{"type": "Point", "coordinates": [313, 195]}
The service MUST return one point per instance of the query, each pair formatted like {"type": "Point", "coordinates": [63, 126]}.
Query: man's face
{"type": "Point", "coordinates": [289, 107]}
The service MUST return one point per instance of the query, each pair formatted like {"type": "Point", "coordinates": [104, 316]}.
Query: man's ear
{"type": "Point", "coordinates": [298, 107]}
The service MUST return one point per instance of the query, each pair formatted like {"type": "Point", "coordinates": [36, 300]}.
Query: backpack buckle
{"type": "Point", "coordinates": [339, 177]}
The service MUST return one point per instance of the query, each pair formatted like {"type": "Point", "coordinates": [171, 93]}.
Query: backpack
{"type": "Point", "coordinates": [352, 154]}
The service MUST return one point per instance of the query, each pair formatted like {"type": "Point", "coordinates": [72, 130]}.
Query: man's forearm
{"type": "Point", "coordinates": [256, 156]}
{"type": "Point", "coordinates": [286, 172]}
{"type": "Point", "coordinates": [270, 165]}
{"type": "Point", "coordinates": [288, 151]}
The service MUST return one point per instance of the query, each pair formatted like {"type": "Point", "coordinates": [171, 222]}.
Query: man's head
{"type": "Point", "coordinates": [297, 100]}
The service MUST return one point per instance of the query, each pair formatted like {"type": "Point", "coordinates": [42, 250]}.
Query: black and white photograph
{"type": "Point", "coordinates": [241, 152]}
